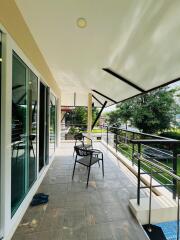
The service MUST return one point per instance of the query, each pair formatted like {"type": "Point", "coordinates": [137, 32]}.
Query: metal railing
{"type": "Point", "coordinates": [159, 149]}
{"type": "Point", "coordinates": [153, 155]}
{"type": "Point", "coordinates": [149, 153]}
{"type": "Point", "coordinates": [156, 169]}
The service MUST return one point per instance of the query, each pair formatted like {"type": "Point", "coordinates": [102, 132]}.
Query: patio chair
{"type": "Point", "coordinates": [88, 157]}
{"type": "Point", "coordinates": [79, 137]}
{"type": "Point", "coordinates": [21, 145]}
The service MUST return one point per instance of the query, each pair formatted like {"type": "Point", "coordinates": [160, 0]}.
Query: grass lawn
{"type": "Point", "coordinates": [126, 150]}
{"type": "Point", "coordinates": [97, 130]}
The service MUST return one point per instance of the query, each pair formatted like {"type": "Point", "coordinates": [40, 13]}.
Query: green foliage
{"type": "Point", "coordinates": [73, 130]}
{"type": "Point", "coordinates": [125, 111]}
{"type": "Point", "coordinates": [155, 111]}
{"type": "Point", "coordinates": [78, 116]}
{"type": "Point", "coordinates": [113, 117]}
{"type": "Point", "coordinates": [152, 112]}
{"type": "Point", "coordinates": [171, 134]}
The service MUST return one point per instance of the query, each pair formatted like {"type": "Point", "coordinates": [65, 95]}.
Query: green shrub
{"type": "Point", "coordinates": [173, 135]}
{"type": "Point", "coordinates": [73, 130]}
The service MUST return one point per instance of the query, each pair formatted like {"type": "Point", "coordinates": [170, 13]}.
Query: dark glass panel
{"type": "Point", "coordinates": [19, 131]}
{"type": "Point", "coordinates": [33, 100]}
{"type": "Point", "coordinates": [52, 126]}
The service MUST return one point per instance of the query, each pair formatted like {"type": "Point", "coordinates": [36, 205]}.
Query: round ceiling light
{"type": "Point", "coordinates": [81, 22]}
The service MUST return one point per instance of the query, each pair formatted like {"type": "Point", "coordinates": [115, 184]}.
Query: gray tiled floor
{"type": "Point", "coordinates": [75, 213]}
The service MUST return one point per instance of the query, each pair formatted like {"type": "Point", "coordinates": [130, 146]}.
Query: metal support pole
{"type": "Point", "coordinates": [139, 176]}
{"type": "Point", "coordinates": [150, 201]}
{"type": "Point", "coordinates": [99, 114]}
{"type": "Point", "coordinates": [174, 171]}
{"type": "Point", "coordinates": [133, 151]}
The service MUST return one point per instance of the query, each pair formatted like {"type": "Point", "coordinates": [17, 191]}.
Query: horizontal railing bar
{"type": "Point", "coordinates": [149, 141]}
{"type": "Point", "coordinates": [160, 168]}
{"type": "Point", "coordinates": [154, 160]}
{"type": "Point", "coordinates": [155, 172]}
{"type": "Point", "coordinates": [140, 133]}
{"type": "Point", "coordinates": [160, 185]}
{"type": "Point", "coordinates": [152, 172]}
{"type": "Point", "coordinates": [156, 149]}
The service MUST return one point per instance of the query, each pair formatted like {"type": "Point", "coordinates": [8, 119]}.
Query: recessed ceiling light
{"type": "Point", "coordinates": [81, 22]}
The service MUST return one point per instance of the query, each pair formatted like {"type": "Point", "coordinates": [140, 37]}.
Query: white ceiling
{"type": "Point", "coordinates": [139, 39]}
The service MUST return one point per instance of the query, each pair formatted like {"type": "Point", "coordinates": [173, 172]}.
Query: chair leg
{"type": "Point", "coordinates": [74, 170]}
{"type": "Point", "coordinates": [99, 163]}
{"type": "Point", "coordinates": [33, 152]}
{"type": "Point", "coordinates": [17, 156]}
{"type": "Point", "coordinates": [88, 176]}
{"type": "Point", "coordinates": [103, 167]}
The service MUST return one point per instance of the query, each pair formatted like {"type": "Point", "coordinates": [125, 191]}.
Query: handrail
{"type": "Point", "coordinates": [140, 133]}
{"type": "Point", "coordinates": [170, 178]}
{"type": "Point", "coordinates": [158, 150]}
{"type": "Point", "coordinates": [160, 168]}
{"type": "Point", "coordinates": [149, 141]}
{"type": "Point", "coordinates": [175, 177]}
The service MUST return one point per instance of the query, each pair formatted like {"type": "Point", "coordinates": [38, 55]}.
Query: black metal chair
{"type": "Point", "coordinates": [88, 157]}
{"type": "Point", "coordinates": [79, 137]}
{"type": "Point", "coordinates": [21, 145]}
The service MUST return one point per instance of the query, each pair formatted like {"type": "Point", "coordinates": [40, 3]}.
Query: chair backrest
{"type": "Point", "coordinates": [78, 136]}
{"type": "Point", "coordinates": [80, 151]}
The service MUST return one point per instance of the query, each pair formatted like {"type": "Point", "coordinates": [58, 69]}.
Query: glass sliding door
{"type": "Point", "coordinates": [19, 132]}
{"type": "Point", "coordinates": [52, 126]}
{"type": "Point", "coordinates": [43, 126]}
{"type": "Point", "coordinates": [24, 131]}
{"type": "Point", "coordinates": [33, 101]}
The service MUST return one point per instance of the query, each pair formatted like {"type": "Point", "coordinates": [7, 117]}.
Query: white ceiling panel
{"type": "Point", "coordinates": [137, 39]}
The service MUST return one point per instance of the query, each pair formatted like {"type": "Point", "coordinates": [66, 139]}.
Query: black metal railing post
{"type": "Point", "coordinates": [133, 151]}
{"type": "Point", "coordinates": [139, 174]}
{"type": "Point", "coordinates": [150, 201]}
{"type": "Point", "coordinates": [174, 171]}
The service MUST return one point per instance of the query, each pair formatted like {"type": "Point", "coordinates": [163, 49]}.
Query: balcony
{"type": "Point", "coordinates": [75, 212]}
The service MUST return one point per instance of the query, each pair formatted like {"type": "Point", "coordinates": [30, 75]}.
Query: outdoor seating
{"type": "Point", "coordinates": [88, 157]}
{"type": "Point", "coordinates": [81, 139]}
{"type": "Point", "coordinates": [22, 145]}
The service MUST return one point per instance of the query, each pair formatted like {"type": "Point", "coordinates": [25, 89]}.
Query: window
{"type": "Point", "coordinates": [24, 131]}
{"type": "Point", "coordinates": [52, 125]}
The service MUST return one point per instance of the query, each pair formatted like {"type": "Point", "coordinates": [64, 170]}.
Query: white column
{"type": "Point", "coordinates": [89, 120]}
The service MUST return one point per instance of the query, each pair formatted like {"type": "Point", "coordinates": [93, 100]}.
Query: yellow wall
{"type": "Point", "coordinates": [12, 20]}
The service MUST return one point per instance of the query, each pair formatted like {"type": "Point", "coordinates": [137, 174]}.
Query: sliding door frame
{"type": "Point", "coordinates": [9, 224]}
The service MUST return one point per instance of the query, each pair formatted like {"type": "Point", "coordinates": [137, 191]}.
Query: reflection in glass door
{"type": "Point", "coordinates": [24, 131]}
{"type": "Point", "coordinates": [33, 100]}
{"type": "Point", "coordinates": [52, 126]}
{"type": "Point", "coordinates": [19, 145]}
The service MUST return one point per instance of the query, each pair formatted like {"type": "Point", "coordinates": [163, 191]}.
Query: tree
{"type": "Point", "coordinates": [78, 116]}
{"type": "Point", "coordinates": [155, 111]}
{"type": "Point", "coordinates": [113, 117]}
{"type": "Point", "coordinates": [151, 112]}
{"type": "Point", "coordinates": [125, 111]}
